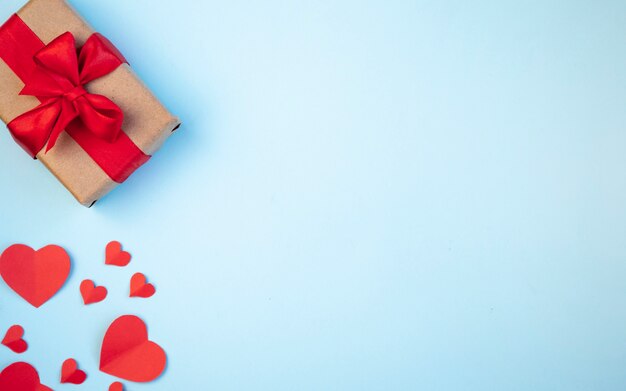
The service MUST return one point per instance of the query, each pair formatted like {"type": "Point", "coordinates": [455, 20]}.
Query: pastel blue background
{"type": "Point", "coordinates": [365, 195]}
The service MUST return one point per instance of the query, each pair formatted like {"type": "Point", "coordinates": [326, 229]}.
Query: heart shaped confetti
{"type": "Point", "coordinates": [70, 372]}
{"type": "Point", "coordinates": [114, 255]}
{"type": "Point", "coordinates": [139, 287]}
{"type": "Point", "coordinates": [128, 354]}
{"type": "Point", "coordinates": [91, 293]}
{"type": "Point", "coordinates": [21, 376]}
{"type": "Point", "coordinates": [13, 339]}
{"type": "Point", "coordinates": [116, 386]}
{"type": "Point", "coordinates": [35, 275]}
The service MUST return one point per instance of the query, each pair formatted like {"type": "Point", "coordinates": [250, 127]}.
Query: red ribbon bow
{"type": "Point", "coordinates": [58, 81]}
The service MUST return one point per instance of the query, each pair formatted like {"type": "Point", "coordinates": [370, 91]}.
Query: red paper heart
{"type": "Point", "coordinates": [128, 354]}
{"type": "Point", "coordinates": [13, 339]}
{"type": "Point", "coordinates": [139, 288]}
{"type": "Point", "coordinates": [116, 386]}
{"type": "Point", "coordinates": [92, 294]}
{"type": "Point", "coordinates": [70, 372]}
{"type": "Point", "coordinates": [115, 255]}
{"type": "Point", "coordinates": [35, 275]}
{"type": "Point", "coordinates": [21, 376]}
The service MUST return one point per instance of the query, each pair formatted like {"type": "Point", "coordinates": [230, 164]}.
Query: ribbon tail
{"type": "Point", "coordinates": [67, 115]}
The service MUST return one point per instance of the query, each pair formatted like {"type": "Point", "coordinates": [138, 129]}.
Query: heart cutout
{"type": "Point", "coordinates": [70, 372]}
{"type": "Point", "coordinates": [35, 275]}
{"type": "Point", "coordinates": [21, 376]}
{"type": "Point", "coordinates": [128, 354]}
{"type": "Point", "coordinates": [139, 287]}
{"type": "Point", "coordinates": [116, 386]}
{"type": "Point", "coordinates": [92, 293]}
{"type": "Point", "coordinates": [114, 255]}
{"type": "Point", "coordinates": [13, 339]}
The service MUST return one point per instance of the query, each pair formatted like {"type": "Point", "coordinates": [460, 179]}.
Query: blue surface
{"type": "Point", "coordinates": [365, 195]}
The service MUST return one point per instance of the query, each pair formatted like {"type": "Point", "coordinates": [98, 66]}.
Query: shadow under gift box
{"type": "Point", "coordinates": [146, 121]}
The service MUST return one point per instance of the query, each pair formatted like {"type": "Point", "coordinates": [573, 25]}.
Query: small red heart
{"type": "Point", "coordinates": [139, 288]}
{"type": "Point", "coordinates": [116, 386]}
{"type": "Point", "coordinates": [35, 275]}
{"type": "Point", "coordinates": [92, 294]}
{"type": "Point", "coordinates": [13, 339]}
{"type": "Point", "coordinates": [70, 372]}
{"type": "Point", "coordinates": [128, 354]}
{"type": "Point", "coordinates": [21, 376]}
{"type": "Point", "coordinates": [114, 255]}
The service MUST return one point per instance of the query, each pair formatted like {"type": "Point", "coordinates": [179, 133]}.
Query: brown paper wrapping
{"type": "Point", "coordinates": [146, 121]}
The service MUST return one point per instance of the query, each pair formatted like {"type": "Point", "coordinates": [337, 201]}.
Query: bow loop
{"type": "Point", "coordinates": [59, 59]}
{"type": "Point", "coordinates": [103, 117]}
{"type": "Point", "coordinates": [32, 129]}
{"type": "Point", "coordinates": [97, 58]}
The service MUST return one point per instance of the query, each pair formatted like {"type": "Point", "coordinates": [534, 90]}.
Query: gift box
{"type": "Point", "coordinates": [70, 99]}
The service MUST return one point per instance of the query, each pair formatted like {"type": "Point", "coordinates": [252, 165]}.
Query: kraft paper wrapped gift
{"type": "Point", "coordinates": [72, 123]}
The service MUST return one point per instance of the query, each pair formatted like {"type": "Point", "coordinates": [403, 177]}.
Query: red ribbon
{"type": "Point", "coordinates": [56, 74]}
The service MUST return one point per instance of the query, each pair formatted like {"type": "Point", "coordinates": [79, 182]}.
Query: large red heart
{"type": "Point", "coordinates": [21, 376]}
{"type": "Point", "coordinates": [35, 275]}
{"type": "Point", "coordinates": [128, 354]}
{"type": "Point", "coordinates": [13, 339]}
